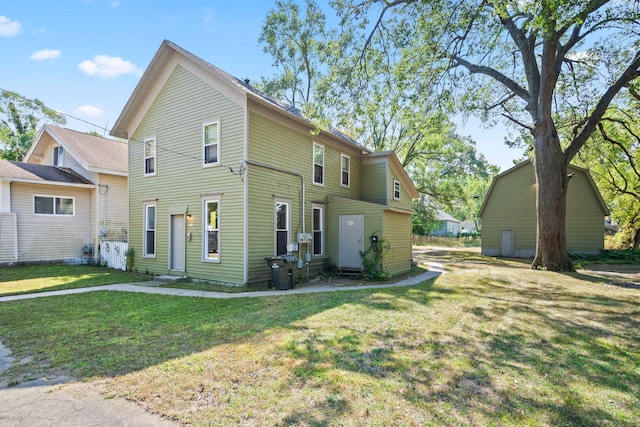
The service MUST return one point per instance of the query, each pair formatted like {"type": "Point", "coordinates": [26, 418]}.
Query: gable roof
{"type": "Point", "coordinates": [443, 216]}
{"type": "Point", "coordinates": [40, 174]}
{"type": "Point", "coordinates": [530, 163]}
{"type": "Point", "coordinates": [396, 166]}
{"type": "Point", "coordinates": [94, 153]}
{"type": "Point", "coordinates": [163, 58]}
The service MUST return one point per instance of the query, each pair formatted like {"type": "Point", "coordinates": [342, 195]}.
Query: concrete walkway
{"type": "Point", "coordinates": [152, 287]}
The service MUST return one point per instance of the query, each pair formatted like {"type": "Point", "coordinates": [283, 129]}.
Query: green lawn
{"type": "Point", "coordinates": [40, 278]}
{"type": "Point", "coordinates": [490, 342]}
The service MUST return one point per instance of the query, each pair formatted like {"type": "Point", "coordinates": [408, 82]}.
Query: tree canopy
{"type": "Point", "coordinates": [374, 101]}
{"type": "Point", "coordinates": [20, 119]}
{"type": "Point", "coordinates": [520, 61]}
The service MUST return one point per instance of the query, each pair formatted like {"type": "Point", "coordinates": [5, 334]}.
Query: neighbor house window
{"type": "Point", "coordinates": [318, 228]}
{"type": "Point", "coordinates": [396, 190]}
{"type": "Point", "coordinates": [345, 165]}
{"type": "Point", "coordinates": [53, 205]}
{"type": "Point", "coordinates": [150, 156]}
{"type": "Point", "coordinates": [149, 230]}
{"type": "Point", "coordinates": [58, 156]}
{"type": "Point", "coordinates": [282, 227]}
{"type": "Point", "coordinates": [212, 230]}
{"type": "Point", "coordinates": [318, 164]}
{"type": "Point", "coordinates": [211, 143]}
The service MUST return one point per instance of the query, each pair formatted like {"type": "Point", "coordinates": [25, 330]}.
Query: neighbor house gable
{"type": "Point", "coordinates": [92, 153]}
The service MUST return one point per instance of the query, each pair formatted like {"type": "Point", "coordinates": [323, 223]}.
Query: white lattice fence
{"type": "Point", "coordinates": [113, 254]}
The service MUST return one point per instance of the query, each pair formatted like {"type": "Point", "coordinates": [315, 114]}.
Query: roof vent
{"type": "Point", "coordinates": [247, 81]}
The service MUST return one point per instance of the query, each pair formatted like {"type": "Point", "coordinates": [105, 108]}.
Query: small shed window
{"type": "Point", "coordinates": [396, 190]}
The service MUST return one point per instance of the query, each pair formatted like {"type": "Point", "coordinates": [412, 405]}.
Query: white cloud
{"type": "Point", "coordinates": [42, 55]}
{"type": "Point", "coordinates": [108, 67]}
{"type": "Point", "coordinates": [115, 4]}
{"type": "Point", "coordinates": [89, 110]}
{"type": "Point", "coordinates": [9, 28]}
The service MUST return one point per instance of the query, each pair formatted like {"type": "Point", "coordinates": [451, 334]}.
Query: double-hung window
{"type": "Point", "coordinates": [318, 164]}
{"type": "Point", "coordinates": [58, 156]}
{"type": "Point", "coordinates": [150, 156]}
{"type": "Point", "coordinates": [149, 236]}
{"type": "Point", "coordinates": [345, 167]}
{"type": "Point", "coordinates": [318, 229]}
{"type": "Point", "coordinates": [212, 229]}
{"type": "Point", "coordinates": [53, 205]}
{"type": "Point", "coordinates": [282, 226]}
{"type": "Point", "coordinates": [211, 143]}
{"type": "Point", "coordinates": [396, 190]}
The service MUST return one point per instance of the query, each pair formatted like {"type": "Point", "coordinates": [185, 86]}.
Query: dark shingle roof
{"type": "Point", "coordinates": [19, 171]}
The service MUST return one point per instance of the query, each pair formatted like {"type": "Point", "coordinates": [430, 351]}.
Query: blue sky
{"type": "Point", "coordinates": [85, 57]}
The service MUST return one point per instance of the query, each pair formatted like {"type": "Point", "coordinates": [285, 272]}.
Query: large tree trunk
{"type": "Point", "coordinates": [551, 202]}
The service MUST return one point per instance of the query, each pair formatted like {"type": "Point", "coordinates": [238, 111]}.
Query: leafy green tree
{"type": "Point", "coordinates": [515, 60]}
{"type": "Point", "coordinates": [19, 122]}
{"type": "Point", "coordinates": [377, 103]}
{"type": "Point", "coordinates": [295, 39]}
{"type": "Point", "coordinates": [613, 156]}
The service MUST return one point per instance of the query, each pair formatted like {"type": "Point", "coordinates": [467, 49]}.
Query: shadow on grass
{"type": "Point", "coordinates": [495, 349]}
{"type": "Point", "coordinates": [52, 277]}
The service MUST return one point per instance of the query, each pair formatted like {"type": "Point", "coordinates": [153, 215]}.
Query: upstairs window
{"type": "Point", "coordinates": [150, 156]}
{"type": "Point", "coordinates": [346, 170]}
{"type": "Point", "coordinates": [396, 190]}
{"type": "Point", "coordinates": [53, 205]}
{"type": "Point", "coordinates": [58, 156]}
{"type": "Point", "coordinates": [211, 143]}
{"type": "Point", "coordinates": [318, 164]}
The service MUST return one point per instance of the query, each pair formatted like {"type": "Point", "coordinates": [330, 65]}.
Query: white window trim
{"type": "Point", "coordinates": [396, 183]}
{"type": "Point", "coordinates": [73, 199]}
{"type": "Point", "coordinates": [144, 230]}
{"type": "Point", "coordinates": [313, 165]}
{"type": "Point", "coordinates": [206, 200]}
{"type": "Point", "coordinates": [275, 222]}
{"type": "Point", "coordinates": [204, 126]}
{"type": "Point", "coordinates": [313, 231]}
{"type": "Point", "coordinates": [60, 162]}
{"type": "Point", "coordinates": [155, 157]}
{"type": "Point", "coordinates": [348, 184]}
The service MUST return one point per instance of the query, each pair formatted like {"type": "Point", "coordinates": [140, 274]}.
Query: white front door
{"type": "Point", "coordinates": [351, 241]}
{"type": "Point", "coordinates": [178, 245]}
{"type": "Point", "coordinates": [506, 243]}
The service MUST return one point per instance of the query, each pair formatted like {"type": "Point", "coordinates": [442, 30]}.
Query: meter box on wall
{"type": "Point", "coordinates": [304, 238]}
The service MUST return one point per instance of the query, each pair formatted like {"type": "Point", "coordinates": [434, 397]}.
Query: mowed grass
{"type": "Point", "coordinates": [490, 342]}
{"type": "Point", "coordinates": [40, 278]}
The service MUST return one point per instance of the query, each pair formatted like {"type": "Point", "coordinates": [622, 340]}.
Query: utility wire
{"type": "Point", "coordinates": [134, 140]}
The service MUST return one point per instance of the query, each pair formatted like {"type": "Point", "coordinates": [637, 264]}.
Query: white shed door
{"type": "Point", "coordinates": [506, 243]}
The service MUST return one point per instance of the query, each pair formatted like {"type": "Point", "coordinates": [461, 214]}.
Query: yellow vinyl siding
{"type": "Point", "coordinates": [405, 202]}
{"type": "Point", "coordinates": [64, 236]}
{"type": "Point", "coordinates": [175, 119]}
{"type": "Point", "coordinates": [116, 206]}
{"type": "Point", "coordinates": [373, 222]}
{"type": "Point", "coordinates": [375, 176]}
{"type": "Point", "coordinates": [8, 237]}
{"type": "Point", "coordinates": [397, 232]}
{"type": "Point", "coordinates": [290, 149]}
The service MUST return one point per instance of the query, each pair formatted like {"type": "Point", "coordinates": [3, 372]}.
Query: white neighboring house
{"type": "Point", "coordinates": [69, 193]}
{"type": "Point", "coordinates": [449, 226]}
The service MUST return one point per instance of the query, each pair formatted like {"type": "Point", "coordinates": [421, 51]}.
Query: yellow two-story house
{"type": "Point", "coordinates": [222, 177]}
